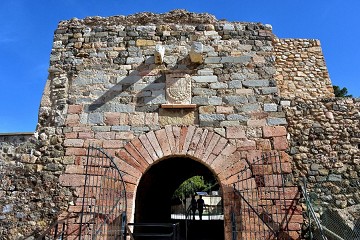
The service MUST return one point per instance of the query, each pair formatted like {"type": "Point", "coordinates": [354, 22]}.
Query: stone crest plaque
{"type": "Point", "coordinates": [178, 88]}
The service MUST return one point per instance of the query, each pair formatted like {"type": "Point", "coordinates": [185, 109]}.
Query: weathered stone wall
{"type": "Point", "coordinates": [324, 143]}
{"type": "Point", "coordinates": [301, 70]}
{"type": "Point", "coordinates": [106, 87]}
{"type": "Point", "coordinates": [29, 198]}
{"type": "Point", "coordinates": [14, 138]}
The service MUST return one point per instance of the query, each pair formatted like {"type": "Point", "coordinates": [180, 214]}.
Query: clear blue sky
{"type": "Point", "coordinates": [27, 27]}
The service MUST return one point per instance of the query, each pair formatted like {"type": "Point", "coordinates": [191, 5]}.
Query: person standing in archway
{"type": "Point", "coordinates": [200, 206]}
{"type": "Point", "coordinates": [193, 206]}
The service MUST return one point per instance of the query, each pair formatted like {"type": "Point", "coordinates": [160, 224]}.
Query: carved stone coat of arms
{"type": "Point", "coordinates": [178, 88]}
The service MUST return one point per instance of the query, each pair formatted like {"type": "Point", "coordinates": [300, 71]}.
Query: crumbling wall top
{"type": "Point", "coordinates": [178, 16]}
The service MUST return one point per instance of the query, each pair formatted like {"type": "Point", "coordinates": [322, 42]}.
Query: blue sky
{"type": "Point", "coordinates": [27, 27]}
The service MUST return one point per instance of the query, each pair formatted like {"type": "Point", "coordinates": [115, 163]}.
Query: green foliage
{"type": "Point", "coordinates": [190, 186]}
{"type": "Point", "coordinates": [341, 92]}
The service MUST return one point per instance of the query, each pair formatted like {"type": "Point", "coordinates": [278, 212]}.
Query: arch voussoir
{"type": "Point", "coordinates": [131, 149]}
{"type": "Point", "coordinates": [155, 144]}
{"type": "Point", "coordinates": [163, 141]}
{"type": "Point", "coordinates": [219, 163]}
{"type": "Point", "coordinates": [147, 145]}
{"type": "Point", "coordinates": [207, 146]}
{"type": "Point", "coordinates": [125, 156]}
{"type": "Point", "coordinates": [142, 150]}
{"type": "Point", "coordinates": [187, 139]}
{"type": "Point", "coordinates": [171, 138]}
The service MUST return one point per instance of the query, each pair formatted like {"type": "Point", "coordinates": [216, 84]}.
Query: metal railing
{"type": "Point", "coordinates": [103, 212]}
{"type": "Point", "coordinates": [57, 230]}
{"type": "Point", "coordinates": [170, 231]}
{"type": "Point", "coordinates": [260, 208]}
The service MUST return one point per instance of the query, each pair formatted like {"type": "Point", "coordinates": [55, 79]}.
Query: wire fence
{"type": "Point", "coordinates": [331, 223]}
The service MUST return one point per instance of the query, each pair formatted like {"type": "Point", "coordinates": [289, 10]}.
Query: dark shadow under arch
{"type": "Point", "coordinates": [157, 185]}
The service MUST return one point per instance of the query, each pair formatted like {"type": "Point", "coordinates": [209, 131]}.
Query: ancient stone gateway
{"type": "Point", "coordinates": [165, 97]}
{"type": "Point", "coordinates": [169, 97]}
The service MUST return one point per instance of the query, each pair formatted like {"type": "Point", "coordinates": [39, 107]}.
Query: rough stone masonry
{"type": "Point", "coordinates": [250, 93]}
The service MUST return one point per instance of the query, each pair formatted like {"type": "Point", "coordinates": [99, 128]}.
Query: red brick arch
{"type": "Point", "coordinates": [203, 145]}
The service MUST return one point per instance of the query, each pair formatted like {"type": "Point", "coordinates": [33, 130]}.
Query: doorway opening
{"type": "Point", "coordinates": [155, 198]}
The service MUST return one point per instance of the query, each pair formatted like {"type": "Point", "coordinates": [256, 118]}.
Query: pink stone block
{"type": "Point", "coordinates": [274, 131]}
{"type": "Point", "coordinates": [235, 132]}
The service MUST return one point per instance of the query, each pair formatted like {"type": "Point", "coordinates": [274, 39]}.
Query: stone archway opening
{"type": "Point", "coordinates": [155, 191]}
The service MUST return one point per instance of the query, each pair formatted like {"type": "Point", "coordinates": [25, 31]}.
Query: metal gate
{"type": "Point", "coordinates": [103, 214]}
{"type": "Point", "coordinates": [259, 209]}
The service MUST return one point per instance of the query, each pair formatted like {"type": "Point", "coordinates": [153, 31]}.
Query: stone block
{"type": "Point", "coordinates": [134, 60]}
{"type": "Point", "coordinates": [207, 109]}
{"type": "Point", "coordinates": [204, 79]}
{"type": "Point", "coordinates": [200, 100]}
{"type": "Point", "coordinates": [144, 43]}
{"type": "Point", "coordinates": [235, 132]}
{"type": "Point", "coordinates": [105, 135]}
{"type": "Point", "coordinates": [72, 119]}
{"type": "Point", "coordinates": [270, 107]}
{"type": "Point", "coordinates": [246, 145]}
{"type": "Point", "coordinates": [227, 123]}
{"type": "Point", "coordinates": [211, 117]}
{"type": "Point", "coordinates": [177, 117]}
{"type": "Point", "coordinates": [274, 131]}
{"type": "Point", "coordinates": [126, 135]}
{"type": "Point", "coordinates": [95, 118]}
{"type": "Point", "coordinates": [335, 178]}
{"type": "Point", "coordinates": [205, 72]}
{"type": "Point", "coordinates": [256, 83]}
{"type": "Point", "coordinates": [73, 142]}
{"type": "Point", "coordinates": [256, 122]}
{"type": "Point", "coordinates": [224, 109]}
{"type": "Point", "coordinates": [235, 100]}
{"type": "Point", "coordinates": [241, 59]}
{"type": "Point", "coordinates": [113, 144]}
{"type": "Point", "coordinates": [85, 135]}
{"type": "Point", "coordinates": [196, 52]}
{"type": "Point", "coordinates": [235, 84]}
{"type": "Point", "coordinates": [159, 99]}
{"type": "Point", "coordinates": [151, 118]}
{"type": "Point", "coordinates": [237, 117]}
{"type": "Point", "coordinates": [215, 101]}
{"type": "Point", "coordinates": [72, 180]}
{"type": "Point", "coordinates": [137, 119]}
{"type": "Point", "coordinates": [75, 109]}
{"type": "Point", "coordinates": [269, 90]}
{"type": "Point", "coordinates": [252, 107]}
{"type": "Point", "coordinates": [70, 151]}
{"type": "Point", "coordinates": [159, 54]}
{"type": "Point", "coordinates": [280, 143]}
{"type": "Point", "coordinates": [128, 79]}
{"type": "Point", "coordinates": [120, 128]}
{"type": "Point", "coordinates": [211, 60]}
{"type": "Point", "coordinates": [218, 85]}
{"type": "Point", "coordinates": [276, 121]}
{"type": "Point", "coordinates": [112, 118]}
{"type": "Point", "coordinates": [122, 108]}
{"type": "Point", "coordinates": [203, 91]}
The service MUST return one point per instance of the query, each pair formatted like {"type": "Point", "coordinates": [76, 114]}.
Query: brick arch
{"type": "Point", "coordinates": [207, 147]}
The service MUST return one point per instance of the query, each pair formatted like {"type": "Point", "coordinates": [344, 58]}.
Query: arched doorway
{"type": "Point", "coordinates": [156, 188]}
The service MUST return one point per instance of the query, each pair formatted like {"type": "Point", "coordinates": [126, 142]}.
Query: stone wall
{"type": "Point", "coordinates": [324, 143]}
{"type": "Point", "coordinates": [29, 198]}
{"type": "Point", "coordinates": [107, 86]}
{"type": "Point", "coordinates": [301, 70]}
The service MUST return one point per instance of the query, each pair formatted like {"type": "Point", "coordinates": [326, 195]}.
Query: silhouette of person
{"type": "Point", "coordinates": [193, 206]}
{"type": "Point", "coordinates": [200, 206]}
